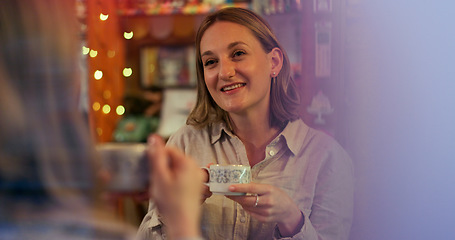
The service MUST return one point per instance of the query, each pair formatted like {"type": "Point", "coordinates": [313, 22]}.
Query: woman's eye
{"type": "Point", "coordinates": [209, 62]}
{"type": "Point", "coordinates": [238, 53]}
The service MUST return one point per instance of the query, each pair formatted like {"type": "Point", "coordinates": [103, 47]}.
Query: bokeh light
{"type": "Point", "coordinates": [128, 35]}
{"type": "Point", "coordinates": [120, 110]}
{"type": "Point", "coordinates": [98, 74]}
{"type": "Point", "coordinates": [104, 17]}
{"type": "Point", "coordinates": [127, 72]}
{"type": "Point", "coordinates": [85, 50]}
{"type": "Point", "coordinates": [96, 106]}
{"type": "Point", "coordinates": [106, 109]}
{"type": "Point", "coordinates": [93, 53]}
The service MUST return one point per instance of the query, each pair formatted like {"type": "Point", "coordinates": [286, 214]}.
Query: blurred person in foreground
{"type": "Point", "coordinates": [49, 188]}
{"type": "Point", "coordinates": [247, 113]}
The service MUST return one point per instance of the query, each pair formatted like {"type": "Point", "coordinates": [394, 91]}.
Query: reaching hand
{"type": "Point", "coordinates": [175, 187]}
{"type": "Point", "coordinates": [269, 204]}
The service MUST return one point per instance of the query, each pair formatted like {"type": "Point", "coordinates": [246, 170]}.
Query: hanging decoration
{"type": "Point", "coordinates": [106, 73]}
{"type": "Point", "coordinates": [320, 105]}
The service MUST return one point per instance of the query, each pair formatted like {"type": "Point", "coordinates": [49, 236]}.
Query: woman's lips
{"type": "Point", "coordinates": [232, 87]}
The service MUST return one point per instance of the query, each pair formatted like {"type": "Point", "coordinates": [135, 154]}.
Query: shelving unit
{"type": "Point", "coordinates": [158, 26]}
{"type": "Point", "coordinates": [118, 32]}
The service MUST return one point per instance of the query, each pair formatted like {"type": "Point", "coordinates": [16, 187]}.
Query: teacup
{"type": "Point", "coordinates": [127, 165]}
{"type": "Point", "coordinates": [221, 177]}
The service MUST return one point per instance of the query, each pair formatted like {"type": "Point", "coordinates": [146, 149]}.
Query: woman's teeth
{"type": "Point", "coordinates": [231, 87]}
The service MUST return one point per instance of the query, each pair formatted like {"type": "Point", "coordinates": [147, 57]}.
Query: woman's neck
{"type": "Point", "coordinates": [255, 133]}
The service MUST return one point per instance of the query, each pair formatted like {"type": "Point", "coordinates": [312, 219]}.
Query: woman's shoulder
{"type": "Point", "coordinates": [309, 138]}
{"type": "Point", "coordinates": [186, 130]}
{"type": "Point", "coordinates": [189, 134]}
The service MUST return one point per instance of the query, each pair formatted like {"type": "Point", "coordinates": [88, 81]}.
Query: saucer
{"type": "Point", "coordinates": [230, 193]}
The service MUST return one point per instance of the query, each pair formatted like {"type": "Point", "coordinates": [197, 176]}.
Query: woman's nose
{"type": "Point", "coordinates": [227, 69]}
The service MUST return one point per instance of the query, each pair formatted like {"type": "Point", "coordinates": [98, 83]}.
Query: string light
{"type": "Point", "coordinates": [93, 53]}
{"type": "Point", "coordinates": [98, 74]}
{"type": "Point", "coordinates": [120, 110]}
{"type": "Point", "coordinates": [104, 17]}
{"type": "Point", "coordinates": [128, 35]}
{"type": "Point", "coordinates": [85, 50]}
{"type": "Point", "coordinates": [127, 72]}
{"type": "Point", "coordinates": [96, 106]}
{"type": "Point", "coordinates": [111, 53]}
{"type": "Point", "coordinates": [106, 109]}
{"type": "Point", "coordinates": [107, 94]}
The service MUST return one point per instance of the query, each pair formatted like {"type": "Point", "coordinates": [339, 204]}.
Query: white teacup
{"type": "Point", "coordinates": [127, 165]}
{"type": "Point", "coordinates": [221, 177]}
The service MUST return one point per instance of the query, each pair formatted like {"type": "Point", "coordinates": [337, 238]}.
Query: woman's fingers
{"type": "Point", "coordinates": [205, 193]}
{"type": "Point", "coordinates": [157, 159]}
{"type": "Point", "coordinates": [264, 202]}
{"type": "Point", "coordinates": [252, 188]}
{"type": "Point", "coordinates": [248, 201]}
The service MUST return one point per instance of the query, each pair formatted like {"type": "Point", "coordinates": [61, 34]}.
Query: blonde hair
{"type": "Point", "coordinates": [284, 96]}
{"type": "Point", "coordinates": [50, 151]}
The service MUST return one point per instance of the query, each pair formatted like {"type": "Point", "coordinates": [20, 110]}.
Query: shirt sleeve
{"type": "Point", "coordinates": [151, 226]}
{"type": "Point", "coordinates": [191, 238]}
{"type": "Point", "coordinates": [330, 216]}
{"type": "Point", "coordinates": [307, 232]}
{"type": "Point", "coordinates": [154, 228]}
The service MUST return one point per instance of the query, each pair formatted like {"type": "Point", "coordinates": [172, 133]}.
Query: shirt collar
{"type": "Point", "coordinates": [293, 134]}
{"type": "Point", "coordinates": [217, 130]}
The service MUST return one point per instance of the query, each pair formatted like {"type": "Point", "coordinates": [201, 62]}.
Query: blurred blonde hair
{"type": "Point", "coordinates": [284, 96]}
{"type": "Point", "coordinates": [45, 144]}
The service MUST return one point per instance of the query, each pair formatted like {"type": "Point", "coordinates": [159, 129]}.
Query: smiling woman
{"type": "Point", "coordinates": [236, 73]}
{"type": "Point", "coordinates": [285, 98]}
{"type": "Point", "coordinates": [247, 113]}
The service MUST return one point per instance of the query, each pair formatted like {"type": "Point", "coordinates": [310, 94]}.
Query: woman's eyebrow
{"type": "Point", "coordinates": [206, 53]}
{"type": "Point", "coordinates": [231, 45]}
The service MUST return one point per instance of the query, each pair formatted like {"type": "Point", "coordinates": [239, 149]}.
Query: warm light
{"type": "Point", "coordinates": [99, 131]}
{"type": "Point", "coordinates": [104, 17]}
{"type": "Point", "coordinates": [107, 94]}
{"type": "Point", "coordinates": [128, 35]}
{"type": "Point", "coordinates": [85, 50]}
{"type": "Point", "coordinates": [106, 109]}
{"type": "Point", "coordinates": [127, 72]}
{"type": "Point", "coordinates": [98, 74]}
{"type": "Point", "coordinates": [111, 53]}
{"type": "Point", "coordinates": [93, 53]}
{"type": "Point", "coordinates": [96, 106]}
{"type": "Point", "coordinates": [151, 67]}
{"type": "Point", "coordinates": [120, 110]}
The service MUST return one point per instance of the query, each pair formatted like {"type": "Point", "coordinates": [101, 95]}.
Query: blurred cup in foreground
{"type": "Point", "coordinates": [127, 166]}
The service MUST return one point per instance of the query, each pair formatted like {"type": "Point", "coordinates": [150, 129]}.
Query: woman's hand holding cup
{"type": "Point", "coordinates": [267, 203]}
{"type": "Point", "coordinates": [206, 193]}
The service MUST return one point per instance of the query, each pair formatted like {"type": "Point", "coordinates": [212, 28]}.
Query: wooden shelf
{"type": "Point", "coordinates": [168, 9]}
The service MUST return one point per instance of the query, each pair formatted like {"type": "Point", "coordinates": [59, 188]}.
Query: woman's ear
{"type": "Point", "coordinates": [276, 61]}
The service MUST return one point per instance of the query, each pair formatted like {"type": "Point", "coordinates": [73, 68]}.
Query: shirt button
{"type": "Point", "coordinates": [242, 220]}
{"type": "Point", "coordinates": [272, 153]}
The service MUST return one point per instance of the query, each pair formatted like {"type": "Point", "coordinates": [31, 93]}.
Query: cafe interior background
{"type": "Point", "coordinates": [362, 69]}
